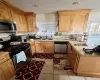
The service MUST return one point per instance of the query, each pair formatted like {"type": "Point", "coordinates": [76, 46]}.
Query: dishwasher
{"type": "Point", "coordinates": [60, 47]}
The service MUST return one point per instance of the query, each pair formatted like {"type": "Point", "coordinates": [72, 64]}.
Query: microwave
{"type": "Point", "coordinates": [7, 26]}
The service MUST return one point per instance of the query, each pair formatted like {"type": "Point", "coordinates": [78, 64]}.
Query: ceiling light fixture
{"type": "Point", "coordinates": [35, 5]}
{"type": "Point", "coordinates": [75, 3]}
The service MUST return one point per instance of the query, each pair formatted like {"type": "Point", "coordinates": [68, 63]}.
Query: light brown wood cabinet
{"type": "Point", "coordinates": [2, 76]}
{"type": "Point", "coordinates": [4, 12]}
{"type": "Point", "coordinates": [31, 21]}
{"type": "Point", "coordinates": [32, 44]}
{"type": "Point", "coordinates": [84, 65]}
{"type": "Point", "coordinates": [7, 69]}
{"type": "Point", "coordinates": [73, 20]}
{"type": "Point", "coordinates": [72, 55]}
{"type": "Point", "coordinates": [44, 47]}
{"type": "Point", "coordinates": [24, 23]}
{"type": "Point", "coordinates": [64, 23]}
{"type": "Point", "coordinates": [20, 20]}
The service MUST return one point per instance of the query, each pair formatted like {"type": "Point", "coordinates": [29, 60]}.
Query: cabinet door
{"type": "Point", "coordinates": [72, 55]}
{"type": "Point", "coordinates": [79, 22]}
{"type": "Point", "coordinates": [49, 47]}
{"type": "Point", "coordinates": [16, 19]}
{"type": "Point", "coordinates": [39, 47]}
{"type": "Point", "coordinates": [32, 43]}
{"type": "Point", "coordinates": [4, 12]}
{"type": "Point", "coordinates": [31, 22]}
{"type": "Point", "coordinates": [24, 23]}
{"type": "Point", "coordinates": [64, 23]}
{"type": "Point", "coordinates": [23, 27]}
{"type": "Point", "coordinates": [2, 76]}
{"type": "Point", "coordinates": [8, 69]}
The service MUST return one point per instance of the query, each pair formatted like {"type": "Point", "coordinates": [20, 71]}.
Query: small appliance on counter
{"type": "Point", "coordinates": [90, 51]}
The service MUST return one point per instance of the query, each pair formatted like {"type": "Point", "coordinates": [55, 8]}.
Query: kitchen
{"type": "Point", "coordinates": [51, 44]}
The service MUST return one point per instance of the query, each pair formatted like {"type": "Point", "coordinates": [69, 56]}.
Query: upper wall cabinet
{"type": "Point", "coordinates": [20, 20]}
{"type": "Point", "coordinates": [64, 23]}
{"type": "Point", "coordinates": [25, 21]}
{"type": "Point", "coordinates": [31, 21]}
{"type": "Point", "coordinates": [4, 12]}
{"type": "Point", "coordinates": [73, 20]}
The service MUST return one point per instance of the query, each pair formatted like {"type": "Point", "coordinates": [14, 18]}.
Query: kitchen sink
{"type": "Point", "coordinates": [83, 44]}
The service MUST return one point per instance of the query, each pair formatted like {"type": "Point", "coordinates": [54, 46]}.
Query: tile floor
{"type": "Point", "coordinates": [49, 73]}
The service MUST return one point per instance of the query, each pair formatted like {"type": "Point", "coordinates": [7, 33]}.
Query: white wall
{"type": "Point", "coordinates": [94, 16]}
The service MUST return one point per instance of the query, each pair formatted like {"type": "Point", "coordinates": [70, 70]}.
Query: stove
{"type": "Point", "coordinates": [15, 48]}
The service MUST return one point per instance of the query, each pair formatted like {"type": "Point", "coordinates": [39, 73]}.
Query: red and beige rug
{"type": "Point", "coordinates": [30, 71]}
{"type": "Point", "coordinates": [44, 56]}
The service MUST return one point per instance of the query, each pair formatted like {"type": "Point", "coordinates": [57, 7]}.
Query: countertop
{"type": "Point", "coordinates": [79, 49]}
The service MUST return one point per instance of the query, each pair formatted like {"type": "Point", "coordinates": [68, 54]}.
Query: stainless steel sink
{"type": "Point", "coordinates": [83, 44]}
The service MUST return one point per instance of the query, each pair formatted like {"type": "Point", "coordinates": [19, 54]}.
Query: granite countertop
{"type": "Point", "coordinates": [79, 49]}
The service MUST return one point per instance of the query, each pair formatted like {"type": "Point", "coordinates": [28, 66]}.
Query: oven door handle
{"type": "Point", "coordinates": [26, 49]}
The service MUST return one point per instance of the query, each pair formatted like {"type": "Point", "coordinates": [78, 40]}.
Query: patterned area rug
{"type": "Point", "coordinates": [44, 56]}
{"type": "Point", "coordinates": [59, 66]}
{"type": "Point", "coordinates": [30, 71]}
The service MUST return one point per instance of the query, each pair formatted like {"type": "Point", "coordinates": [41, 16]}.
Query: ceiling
{"type": "Point", "coordinates": [48, 6]}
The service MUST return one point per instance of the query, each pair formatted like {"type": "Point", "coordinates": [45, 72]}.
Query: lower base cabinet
{"type": "Point", "coordinates": [32, 44]}
{"type": "Point", "coordinates": [44, 46]}
{"type": "Point", "coordinates": [7, 70]}
{"type": "Point", "coordinates": [84, 65]}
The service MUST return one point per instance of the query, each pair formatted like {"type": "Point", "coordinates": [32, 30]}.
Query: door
{"type": "Point", "coordinates": [64, 23]}
{"type": "Point", "coordinates": [4, 12]}
{"type": "Point", "coordinates": [79, 22]}
{"type": "Point", "coordinates": [8, 69]}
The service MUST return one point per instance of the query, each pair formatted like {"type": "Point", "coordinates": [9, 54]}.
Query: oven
{"type": "Point", "coordinates": [60, 47]}
{"type": "Point", "coordinates": [21, 57]}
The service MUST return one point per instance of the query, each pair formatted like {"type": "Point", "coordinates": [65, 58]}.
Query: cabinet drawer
{"type": "Point", "coordinates": [4, 57]}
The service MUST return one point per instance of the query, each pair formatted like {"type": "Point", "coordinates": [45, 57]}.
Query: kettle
{"type": "Point", "coordinates": [1, 46]}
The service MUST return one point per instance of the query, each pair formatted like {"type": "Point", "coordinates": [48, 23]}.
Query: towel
{"type": "Point", "coordinates": [21, 56]}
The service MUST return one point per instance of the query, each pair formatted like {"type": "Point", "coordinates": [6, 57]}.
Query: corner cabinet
{"type": "Point", "coordinates": [73, 20]}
